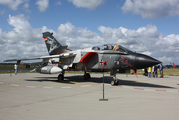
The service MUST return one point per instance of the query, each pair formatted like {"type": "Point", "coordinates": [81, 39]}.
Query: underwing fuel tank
{"type": "Point", "coordinates": [48, 69]}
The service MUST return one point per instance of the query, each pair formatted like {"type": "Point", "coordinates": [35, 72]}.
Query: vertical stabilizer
{"type": "Point", "coordinates": [53, 46]}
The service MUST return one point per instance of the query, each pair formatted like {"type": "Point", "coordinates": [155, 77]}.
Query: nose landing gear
{"type": "Point", "coordinates": [115, 80]}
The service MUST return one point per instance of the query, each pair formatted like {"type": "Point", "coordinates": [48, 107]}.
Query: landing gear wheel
{"type": "Point", "coordinates": [60, 77]}
{"type": "Point", "coordinates": [114, 82]}
{"type": "Point", "coordinates": [87, 76]}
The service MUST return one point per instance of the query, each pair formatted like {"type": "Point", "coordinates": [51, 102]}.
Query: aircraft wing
{"type": "Point", "coordinates": [64, 55]}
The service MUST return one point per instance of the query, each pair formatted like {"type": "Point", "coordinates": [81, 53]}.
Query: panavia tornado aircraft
{"type": "Point", "coordinates": [107, 57]}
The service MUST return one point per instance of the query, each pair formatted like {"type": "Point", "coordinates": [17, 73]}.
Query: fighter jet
{"type": "Point", "coordinates": [107, 57]}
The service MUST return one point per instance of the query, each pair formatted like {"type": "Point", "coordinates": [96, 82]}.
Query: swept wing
{"type": "Point", "coordinates": [64, 55]}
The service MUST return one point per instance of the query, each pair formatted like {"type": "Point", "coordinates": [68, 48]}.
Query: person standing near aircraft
{"type": "Point", "coordinates": [161, 71]}
{"type": "Point", "coordinates": [149, 72]}
{"type": "Point", "coordinates": [155, 71]}
{"type": "Point", "coordinates": [15, 68]}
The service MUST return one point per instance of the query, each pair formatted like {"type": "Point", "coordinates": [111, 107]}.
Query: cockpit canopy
{"type": "Point", "coordinates": [110, 47]}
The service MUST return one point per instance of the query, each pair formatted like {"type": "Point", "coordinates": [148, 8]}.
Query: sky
{"type": "Point", "coordinates": [149, 27]}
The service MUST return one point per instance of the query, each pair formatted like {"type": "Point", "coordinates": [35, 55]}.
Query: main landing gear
{"type": "Point", "coordinates": [61, 76]}
{"type": "Point", "coordinates": [86, 76]}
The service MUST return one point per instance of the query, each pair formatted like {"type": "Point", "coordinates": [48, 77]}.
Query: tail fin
{"type": "Point", "coordinates": [53, 46]}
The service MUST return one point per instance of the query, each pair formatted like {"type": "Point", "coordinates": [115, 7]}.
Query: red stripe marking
{"type": "Point", "coordinates": [85, 67]}
{"type": "Point", "coordinates": [7, 84]}
{"type": "Point", "coordinates": [139, 88]}
{"type": "Point", "coordinates": [104, 62]}
{"type": "Point", "coordinates": [22, 86]}
{"type": "Point", "coordinates": [39, 87]}
{"type": "Point", "coordinates": [95, 84]}
{"type": "Point", "coordinates": [161, 90]}
{"type": "Point", "coordinates": [135, 71]}
{"type": "Point", "coordinates": [76, 87]}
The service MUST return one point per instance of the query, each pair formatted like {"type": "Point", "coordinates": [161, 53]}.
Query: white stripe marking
{"type": "Point", "coordinates": [48, 87]}
{"type": "Point", "coordinates": [15, 85]}
{"type": "Point", "coordinates": [86, 86]}
{"type": "Point", "coordinates": [31, 86]}
{"type": "Point", "coordinates": [66, 87]}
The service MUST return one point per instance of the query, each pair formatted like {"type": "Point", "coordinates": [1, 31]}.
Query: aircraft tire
{"type": "Point", "coordinates": [114, 82]}
{"type": "Point", "coordinates": [60, 77]}
{"type": "Point", "coordinates": [87, 76]}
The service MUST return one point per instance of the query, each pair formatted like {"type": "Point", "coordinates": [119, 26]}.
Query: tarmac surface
{"type": "Point", "coordinates": [33, 96]}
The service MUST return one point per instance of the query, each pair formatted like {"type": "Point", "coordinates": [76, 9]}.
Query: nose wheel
{"type": "Point", "coordinates": [114, 81]}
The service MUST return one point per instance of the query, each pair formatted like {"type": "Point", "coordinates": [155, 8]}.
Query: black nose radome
{"type": "Point", "coordinates": [144, 61]}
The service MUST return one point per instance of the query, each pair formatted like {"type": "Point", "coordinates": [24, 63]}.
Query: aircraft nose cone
{"type": "Point", "coordinates": [144, 61]}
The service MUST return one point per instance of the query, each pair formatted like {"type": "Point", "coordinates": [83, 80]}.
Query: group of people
{"type": "Point", "coordinates": [154, 71]}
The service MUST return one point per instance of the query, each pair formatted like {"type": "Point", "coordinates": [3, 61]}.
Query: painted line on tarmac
{"type": "Point", "coordinates": [66, 87]}
{"type": "Point", "coordinates": [69, 87]}
{"type": "Point", "coordinates": [157, 90]}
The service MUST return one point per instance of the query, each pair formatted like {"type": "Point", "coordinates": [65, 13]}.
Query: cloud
{"type": "Point", "coordinates": [147, 40]}
{"type": "Point", "coordinates": [22, 41]}
{"type": "Point", "coordinates": [58, 3]}
{"type": "Point", "coordinates": [76, 37]}
{"type": "Point", "coordinates": [21, 28]}
{"type": "Point", "coordinates": [152, 9]}
{"type": "Point", "coordinates": [171, 39]}
{"type": "Point", "coordinates": [89, 4]}
{"type": "Point", "coordinates": [25, 41]}
{"type": "Point", "coordinates": [13, 4]}
{"type": "Point", "coordinates": [42, 5]}
{"type": "Point", "coordinates": [67, 29]}
{"type": "Point", "coordinates": [26, 6]}
{"type": "Point", "coordinates": [2, 12]}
